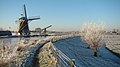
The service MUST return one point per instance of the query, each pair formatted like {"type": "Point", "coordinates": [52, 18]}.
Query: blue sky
{"type": "Point", "coordinates": [64, 15]}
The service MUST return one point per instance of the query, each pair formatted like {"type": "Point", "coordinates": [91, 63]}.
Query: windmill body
{"type": "Point", "coordinates": [23, 23]}
{"type": "Point", "coordinates": [23, 27]}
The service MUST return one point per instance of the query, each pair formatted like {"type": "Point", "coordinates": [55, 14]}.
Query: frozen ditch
{"type": "Point", "coordinates": [74, 48]}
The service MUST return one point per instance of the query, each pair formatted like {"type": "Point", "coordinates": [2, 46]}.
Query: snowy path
{"type": "Point", "coordinates": [74, 48]}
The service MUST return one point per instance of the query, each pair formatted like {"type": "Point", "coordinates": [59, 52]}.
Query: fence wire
{"type": "Point", "coordinates": [62, 59]}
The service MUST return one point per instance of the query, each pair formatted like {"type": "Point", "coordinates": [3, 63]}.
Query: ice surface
{"type": "Point", "coordinates": [76, 49]}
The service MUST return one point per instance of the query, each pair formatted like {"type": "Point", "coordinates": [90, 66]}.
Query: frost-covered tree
{"type": "Point", "coordinates": [93, 35]}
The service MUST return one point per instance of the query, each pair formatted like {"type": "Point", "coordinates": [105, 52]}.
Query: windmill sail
{"type": "Point", "coordinates": [25, 14]}
{"type": "Point", "coordinates": [44, 30]}
{"type": "Point", "coordinates": [34, 18]}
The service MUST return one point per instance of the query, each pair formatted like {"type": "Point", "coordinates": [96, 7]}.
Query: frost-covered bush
{"type": "Point", "coordinates": [93, 34]}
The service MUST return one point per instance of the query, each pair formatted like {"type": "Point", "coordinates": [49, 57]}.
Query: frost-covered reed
{"type": "Point", "coordinates": [13, 57]}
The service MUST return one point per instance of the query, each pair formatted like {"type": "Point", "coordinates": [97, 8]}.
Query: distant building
{"type": "Point", "coordinates": [116, 31]}
{"type": "Point", "coordinates": [5, 33]}
{"type": "Point", "coordinates": [38, 29]}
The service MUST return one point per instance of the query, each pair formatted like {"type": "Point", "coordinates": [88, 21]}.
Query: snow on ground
{"type": "Point", "coordinates": [113, 43]}
{"type": "Point", "coordinates": [74, 48]}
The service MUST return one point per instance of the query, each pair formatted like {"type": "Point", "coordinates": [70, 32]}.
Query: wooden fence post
{"type": "Point", "coordinates": [72, 62]}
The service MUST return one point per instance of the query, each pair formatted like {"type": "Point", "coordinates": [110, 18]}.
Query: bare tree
{"type": "Point", "coordinates": [93, 35]}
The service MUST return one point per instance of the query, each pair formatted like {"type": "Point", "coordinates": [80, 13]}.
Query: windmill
{"type": "Point", "coordinates": [44, 30]}
{"type": "Point", "coordinates": [23, 23]}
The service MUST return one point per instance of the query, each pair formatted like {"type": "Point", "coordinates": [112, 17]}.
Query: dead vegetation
{"type": "Point", "coordinates": [12, 57]}
{"type": "Point", "coordinates": [46, 58]}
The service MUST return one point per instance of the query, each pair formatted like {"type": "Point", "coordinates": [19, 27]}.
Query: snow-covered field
{"type": "Point", "coordinates": [113, 43]}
